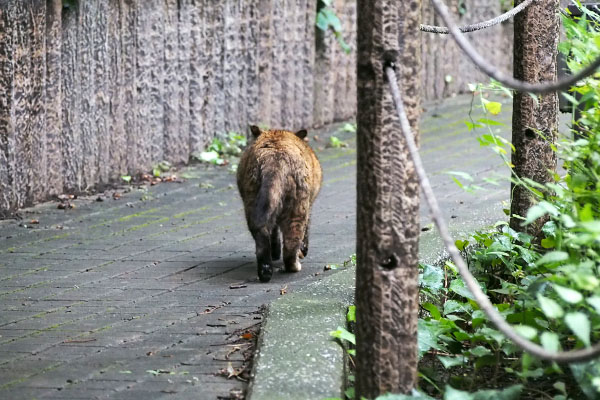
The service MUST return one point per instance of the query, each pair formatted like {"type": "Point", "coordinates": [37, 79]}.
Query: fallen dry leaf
{"type": "Point", "coordinates": [34, 222]}
{"type": "Point", "coordinates": [247, 335]}
{"type": "Point", "coordinates": [283, 290]}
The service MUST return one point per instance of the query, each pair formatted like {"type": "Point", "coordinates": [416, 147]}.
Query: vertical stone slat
{"type": "Point", "coordinates": [276, 56]}
{"type": "Point", "coordinates": [199, 100]}
{"type": "Point", "coordinates": [308, 64]}
{"type": "Point", "coordinates": [338, 69]}
{"type": "Point", "coordinates": [70, 142]}
{"type": "Point", "coordinates": [39, 150]}
{"type": "Point", "coordinates": [245, 61]}
{"type": "Point", "coordinates": [265, 65]}
{"type": "Point", "coordinates": [230, 59]}
{"type": "Point", "coordinates": [144, 64]}
{"type": "Point", "coordinates": [175, 144]}
{"type": "Point", "coordinates": [155, 10]}
{"type": "Point", "coordinates": [20, 156]}
{"type": "Point", "coordinates": [285, 70]}
{"type": "Point", "coordinates": [217, 82]}
{"type": "Point", "coordinates": [128, 87]}
{"type": "Point", "coordinates": [53, 97]}
{"type": "Point", "coordinates": [6, 105]}
{"type": "Point", "coordinates": [184, 50]}
{"type": "Point", "coordinates": [117, 136]}
{"type": "Point", "coordinates": [251, 46]}
{"type": "Point", "coordinates": [324, 77]}
{"type": "Point", "coordinates": [87, 76]}
{"type": "Point", "coordinates": [101, 113]}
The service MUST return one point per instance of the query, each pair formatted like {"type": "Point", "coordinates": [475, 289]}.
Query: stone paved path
{"type": "Point", "coordinates": [134, 298]}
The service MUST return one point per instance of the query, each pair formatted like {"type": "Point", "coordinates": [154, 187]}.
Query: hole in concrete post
{"type": "Point", "coordinates": [390, 262]}
{"type": "Point", "coordinates": [389, 59]}
{"type": "Point", "coordinates": [530, 133]}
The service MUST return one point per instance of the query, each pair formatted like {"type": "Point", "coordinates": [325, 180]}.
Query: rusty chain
{"type": "Point", "coordinates": [498, 75]}
{"type": "Point", "coordinates": [442, 30]}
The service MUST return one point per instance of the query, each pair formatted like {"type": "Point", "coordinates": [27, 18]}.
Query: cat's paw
{"type": "Point", "coordinates": [294, 267]}
{"type": "Point", "coordinates": [265, 272]}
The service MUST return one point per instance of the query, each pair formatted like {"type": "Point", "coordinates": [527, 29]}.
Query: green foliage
{"type": "Point", "coordinates": [336, 143]}
{"type": "Point", "coordinates": [223, 149]}
{"type": "Point", "coordinates": [328, 19]}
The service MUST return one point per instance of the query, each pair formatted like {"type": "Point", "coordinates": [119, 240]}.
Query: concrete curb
{"type": "Point", "coordinates": [296, 357]}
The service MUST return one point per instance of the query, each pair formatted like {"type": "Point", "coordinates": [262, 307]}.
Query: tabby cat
{"type": "Point", "coordinates": [279, 177]}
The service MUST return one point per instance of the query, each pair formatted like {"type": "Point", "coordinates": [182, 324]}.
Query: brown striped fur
{"type": "Point", "coordinates": [279, 177]}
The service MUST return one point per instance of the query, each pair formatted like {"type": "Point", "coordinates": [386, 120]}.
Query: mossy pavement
{"type": "Point", "coordinates": [146, 296]}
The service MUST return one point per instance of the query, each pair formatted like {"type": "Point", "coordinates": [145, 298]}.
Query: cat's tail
{"type": "Point", "coordinates": [269, 200]}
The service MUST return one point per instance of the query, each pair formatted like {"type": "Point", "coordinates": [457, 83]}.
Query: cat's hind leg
{"type": "Point", "coordinates": [275, 244]}
{"type": "Point", "coordinates": [263, 255]}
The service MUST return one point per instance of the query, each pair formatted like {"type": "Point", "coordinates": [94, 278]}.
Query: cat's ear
{"type": "Point", "coordinates": [302, 133]}
{"type": "Point", "coordinates": [255, 131]}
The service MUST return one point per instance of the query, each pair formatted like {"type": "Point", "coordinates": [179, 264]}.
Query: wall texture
{"type": "Point", "coordinates": [93, 89]}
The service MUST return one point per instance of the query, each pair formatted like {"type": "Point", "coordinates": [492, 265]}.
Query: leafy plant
{"type": "Point", "coordinates": [336, 143]}
{"type": "Point", "coordinates": [328, 19]}
{"type": "Point", "coordinates": [549, 291]}
{"type": "Point", "coordinates": [222, 149]}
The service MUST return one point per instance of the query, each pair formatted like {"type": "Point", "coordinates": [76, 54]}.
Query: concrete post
{"type": "Point", "coordinates": [535, 124]}
{"type": "Point", "coordinates": [388, 200]}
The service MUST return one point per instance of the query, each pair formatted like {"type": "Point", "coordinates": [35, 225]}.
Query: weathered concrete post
{"type": "Point", "coordinates": [388, 200]}
{"type": "Point", "coordinates": [535, 125]}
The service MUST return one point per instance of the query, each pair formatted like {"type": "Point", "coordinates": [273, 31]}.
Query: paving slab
{"type": "Point", "coordinates": [95, 288]}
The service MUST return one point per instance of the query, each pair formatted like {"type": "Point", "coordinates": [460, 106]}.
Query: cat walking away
{"type": "Point", "coordinates": [279, 177]}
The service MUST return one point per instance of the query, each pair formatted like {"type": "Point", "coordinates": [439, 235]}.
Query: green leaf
{"type": "Point", "coordinates": [453, 394]}
{"type": "Point", "coordinates": [351, 316]}
{"type": "Point", "coordinates": [493, 107]}
{"type": "Point", "coordinates": [348, 127]}
{"type": "Point", "coordinates": [549, 307]}
{"type": "Point", "coordinates": [452, 306]}
{"type": "Point", "coordinates": [349, 393]}
{"type": "Point", "coordinates": [208, 156]}
{"type": "Point", "coordinates": [585, 373]}
{"type": "Point", "coordinates": [472, 126]}
{"type": "Point", "coordinates": [427, 336]}
{"type": "Point", "coordinates": [568, 295]}
{"type": "Point", "coordinates": [458, 287]}
{"type": "Point", "coordinates": [526, 331]}
{"type": "Point", "coordinates": [579, 324]}
{"type": "Point", "coordinates": [480, 351]}
{"type": "Point", "coordinates": [432, 278]}
{"type": "Point", "coordinates": [594, 301]}
{"type": "Point", "coordinates": [126, 178]}
{"type": "Point", "coordinates": [433, 310]}
{"type": "Point", "coordinates": [548, 243]}
{"type": "Point", "coordinates": [553, 257]}
{"type": "Point", "coordinates": [550, 341]}
{"type": "Point", "coordinates": [461, 244]}
{"type": "Point", "coordinates": [509, 393]}
{"type": "Point", "coordinates": [490, 122]}
{"type": "Point", "coordinates": [449, 362]}
{"type": "Point", "coordinates": [343, 334]}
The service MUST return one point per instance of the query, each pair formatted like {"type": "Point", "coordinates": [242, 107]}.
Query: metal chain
{"type": "Point", "coordinates": [442, 30]}
{"type": "Point", "coordinates": [480, 297]}
{"type": "Point", "coordinates": [493, 72]}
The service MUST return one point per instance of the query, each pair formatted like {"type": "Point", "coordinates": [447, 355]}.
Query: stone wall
{"type": "Point", "coordinates": [446, 71]}
{"type": "Point", "coordinates": [94, 89]}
